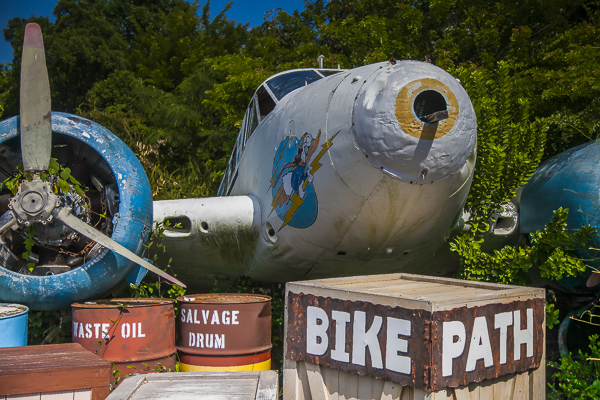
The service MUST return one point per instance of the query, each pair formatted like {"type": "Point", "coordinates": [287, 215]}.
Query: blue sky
{"type": "Point", "coordinates": [243, 11]}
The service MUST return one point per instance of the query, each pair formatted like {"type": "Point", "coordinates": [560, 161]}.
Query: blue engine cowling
{"type": "Point", "coordinates": [569, 180]}
{"type": "Point", "coordinates": [103, 272]}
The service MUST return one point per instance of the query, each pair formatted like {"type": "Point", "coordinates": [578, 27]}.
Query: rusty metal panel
{"type": "Point", "coordinates": [497, 322]}
{"type": "Point", "coordinates": [129, 332]}
{"type": "Point", "coordinates": [416, 348]}
{"type": "Point", "coordinates": [224, 324]}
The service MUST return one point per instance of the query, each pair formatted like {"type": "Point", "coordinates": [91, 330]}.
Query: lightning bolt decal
{"type": "Point", "coordinates": [289, 215]}
{"type": "Point", "coordinates": [315, 164]}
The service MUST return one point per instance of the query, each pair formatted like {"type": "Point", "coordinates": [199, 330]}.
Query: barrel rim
{"type": "Point", "coordinates": [224, 298]}
{"type": "Point", "coordinates": [22, 309]}
{"type": "Point", "coordinates": [134, 302]}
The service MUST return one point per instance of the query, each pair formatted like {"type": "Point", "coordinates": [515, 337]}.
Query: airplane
{"type": "Point", "coordinates": [334, 173]}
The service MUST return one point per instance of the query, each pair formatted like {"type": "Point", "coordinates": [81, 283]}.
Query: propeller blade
{"type": "Point", "coordinates": [6, 221]}
{"type": "Point", "coordinates": [64, 215]}
{"type": "Point", "coordinates": [36, 125]}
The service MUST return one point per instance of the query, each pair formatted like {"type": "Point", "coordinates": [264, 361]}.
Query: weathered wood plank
{"type": "Point", "coordinates": [444, 394]}
{"type": "Point", "coordinates": [32, 396]}
{"type": "Point", "coordinates": [538, 376]}
{"type": "Point", "coordinates": [82, 394]}
{"type": "Point", "coordinates": [38, 359]}
{"type": "Point", "coordinates": [348, 386]}
{"type": "Point", "coordinates": [521, 386]}
{"type": "Point", "coordinates": [318, 390]}
{"type": "Point", "coordinates": [330, 376]}
{"type": "Point", "coordinates": [419, 394]}
{"type": "Point", "coordinates": [267, 386]}
{"type": "Point", "coordinates": [503, 387]}
{"type": "Point", "coordinates": [54, 381]}
{"type": "Point", "coordinates": [462, 393]}
{"type": "Point", "coordinates": [365, 388]}
{"type": "Point", "coordinates": [197, 389]}
{"type": "Point", "coordinates": [414, 290]}
{"type": "Point", "coordinates": [290, 379]}
{"type": "Point", "coordinates": [63, 395]}
{"type": "Point", "coordinates": [199, 385]}
{"type": "Point", "coordinates": [391, 391]}
{"type": "Point", "coordinates": [303, 387]}
{"type": "Point", "coordinates": [378, 386]}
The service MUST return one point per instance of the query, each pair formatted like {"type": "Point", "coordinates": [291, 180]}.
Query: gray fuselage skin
{"type": "Point", "coordinates": [389, 188]}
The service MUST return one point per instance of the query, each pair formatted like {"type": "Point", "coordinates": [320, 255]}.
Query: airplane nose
{"type": "Point", "coordinates": [415, 122]}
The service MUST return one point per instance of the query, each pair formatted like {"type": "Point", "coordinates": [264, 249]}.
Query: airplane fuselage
{"type": "Point", "coordinates": [342, 177]}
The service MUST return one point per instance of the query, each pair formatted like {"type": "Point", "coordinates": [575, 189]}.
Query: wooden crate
{"type": "Point", "coordinates": [240, 385]}
{"type": "Point", "coordinates": [53, 372]}
{"type": "Point", "coordinates": [401, 336]}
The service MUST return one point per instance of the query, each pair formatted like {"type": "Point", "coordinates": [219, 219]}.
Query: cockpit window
{"type": "Point", "coordinates": [265, 103]}
{"type": "Point", "coordinates": [250, 120]}
{"type": "Point", "coordinates": [281, 85]}
{"type": "Point", "coordinates": [327, 72]}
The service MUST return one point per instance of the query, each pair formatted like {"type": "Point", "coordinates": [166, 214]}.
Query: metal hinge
{"type": "Point", "coordinates": [427, 331]}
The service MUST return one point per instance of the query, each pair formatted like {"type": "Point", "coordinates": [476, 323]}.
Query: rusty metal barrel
{"type": "Point", "coordinates": [137, 334]}
{"type": "Point", "coordinates": [224, 332]}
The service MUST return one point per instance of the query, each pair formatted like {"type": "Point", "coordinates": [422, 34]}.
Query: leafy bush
{"type": "Point", "coordinates": [553, 249]}
{"type": "Point", "coordinates": [578, 377]}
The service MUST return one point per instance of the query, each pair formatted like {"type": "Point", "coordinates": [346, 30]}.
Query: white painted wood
{"type": "Point", "coordinates": [538, 377]}
{"type": "Point", "coordinates": [330, 376]}
{"type": "Point", "coordinates": [390, 391]}
{"type": "Point", "coordinates": [290, 380]}
{"type": "Point", "coordinates": [503, 387]}
{"type": "Point", "coordinates": [348, 386]}
{"type": "Point", "coordinates": [462, 393]}
{"type": "Point", "coordinates": [408, 393]}
{"type": "Point", "coordinates": [467, 293]}
{"type": "Point", "coordinates": [214, 389]}
{"type": "Point", "coordinates": [521, 387]}
{"type": "Point", "coordinates": [83, 394]}
{"type": "Point", "coordinates": [198, 385]}
{"type": "Point", "coordinates": [62, 395]}
{"type": "Point", "coordinates": [486, 389]}
{"type": "Point", "coordinates": [365, 388]}
{"type": "Point", "coordinates": [303, 387]}
{"type": "Point", "coordinates": [31, 396]}
{"type": "Point", "coordinates": [267, 386]}
{"type": "Point", "coordinates": [444, 394]}
{"type": "Point", "coordinates": [419, 394]}
{"type": "Point", "coordinates": [318, 390]}
{"type": "Point", "coordinates": [378, 386]}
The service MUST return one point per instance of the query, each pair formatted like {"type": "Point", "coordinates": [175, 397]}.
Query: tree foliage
{"type": "Point", "coordinates": [173, 78]}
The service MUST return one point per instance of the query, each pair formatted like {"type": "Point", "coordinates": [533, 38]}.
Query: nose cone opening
{"type": "Point", "coordinates": [429, 102]}
{"type": "Point", "coordinates": [415, 122]}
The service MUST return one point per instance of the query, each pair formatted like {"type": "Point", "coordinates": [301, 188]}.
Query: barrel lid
{"type": "Point", "coordinates": [7, 310]}
{"type": "Point", "coordinates": [226, 298]}
{"type": "Point", "coordinates": [125, 302]}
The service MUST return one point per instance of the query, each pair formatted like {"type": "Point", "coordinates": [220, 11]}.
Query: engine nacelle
{"type": "Point", "coordinates": [104, 162]}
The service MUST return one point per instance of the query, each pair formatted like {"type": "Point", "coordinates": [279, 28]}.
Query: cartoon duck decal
{"type": "Point", "coordinates": [294, 197]}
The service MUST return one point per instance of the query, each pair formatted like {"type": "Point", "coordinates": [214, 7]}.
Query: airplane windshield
{"type": "Point", "coordinates": [281, 85]}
